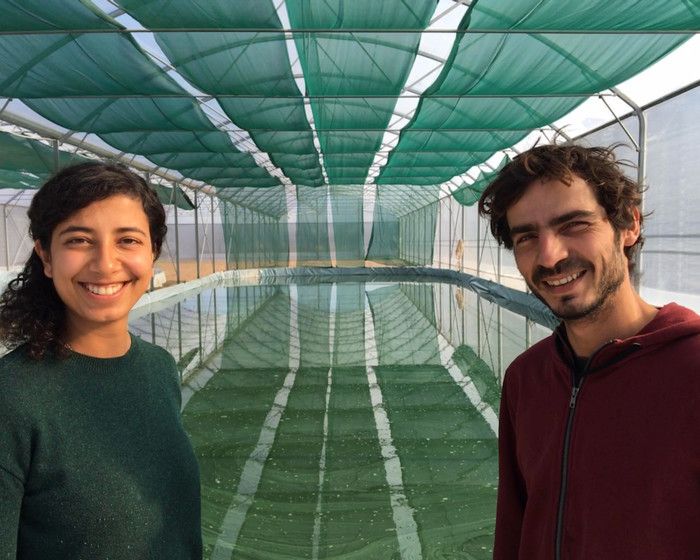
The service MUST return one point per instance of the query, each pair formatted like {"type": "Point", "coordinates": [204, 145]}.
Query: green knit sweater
{"type": "Point", "coordinates": [94, 461]}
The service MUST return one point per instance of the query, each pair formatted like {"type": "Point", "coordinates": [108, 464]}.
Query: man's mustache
{"type": "Point", "coordinates": [564, 266]}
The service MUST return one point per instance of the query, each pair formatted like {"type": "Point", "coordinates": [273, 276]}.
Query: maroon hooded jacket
{"type": "Point", "coordinates": [611, 470]}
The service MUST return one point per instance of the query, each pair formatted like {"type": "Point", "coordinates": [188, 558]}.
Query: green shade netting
{"type": "Point", "coordinates": [348, 227]}
{"type": "Point", "coordinates": [312, 227]}
{"type": "Point", "coordinates": [253, 240]}
{"type": "Point", "coordinates": [417, 235]}
{"type": "Point", "coordinates": [270, 202]}
{"type": "Point", "coordinates": [237, 63]}
{"type": "Point", "coordinates": [26, 163]}
{"type": "Point", "coordinates": [168, 195]}
{"type": "Point", "coordinates": [393, 209]}
{"type": "Point", "coordinates": [101, 83]}
{"type": "Point", "coordinates": [468, 195]}
{"type": "Point", "coordinates": [355, 64]}
{"type": "Point", "coordinates": [554, 66]}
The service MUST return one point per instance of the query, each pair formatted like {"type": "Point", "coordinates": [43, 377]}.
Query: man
{"type": "Point", "coordinates": [599, 423]}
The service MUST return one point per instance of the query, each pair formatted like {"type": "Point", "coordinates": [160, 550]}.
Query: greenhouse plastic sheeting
{"type": "Point", "coordinates": [483, 66]}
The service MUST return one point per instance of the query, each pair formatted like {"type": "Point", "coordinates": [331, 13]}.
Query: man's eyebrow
{"type": "Point", "coordinates": [524, 228]}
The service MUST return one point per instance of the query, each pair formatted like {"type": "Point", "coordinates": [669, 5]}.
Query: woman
{"type": "Point", "coordinates": [94, 461]}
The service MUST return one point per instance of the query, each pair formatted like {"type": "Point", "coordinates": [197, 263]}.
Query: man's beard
{"type": "Point", "coordinates": [613, 275]}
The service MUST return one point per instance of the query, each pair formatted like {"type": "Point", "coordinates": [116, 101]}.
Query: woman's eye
{"type": "Point", "coordinates": [130, 241]}
{"type": "Point", "coordinates": [77, 241]}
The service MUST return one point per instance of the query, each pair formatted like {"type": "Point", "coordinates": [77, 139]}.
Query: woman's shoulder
{"type": "Point", "coordinates": [17, 361]}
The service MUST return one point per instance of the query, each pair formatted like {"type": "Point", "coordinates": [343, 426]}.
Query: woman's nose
{"type": "Point", "coordinates": [104, 258]}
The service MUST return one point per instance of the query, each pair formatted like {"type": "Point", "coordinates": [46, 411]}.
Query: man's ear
{"type": "Point", "coordinates": [631, 234]}
{"type": "Point", "coordinates": [45, 257]}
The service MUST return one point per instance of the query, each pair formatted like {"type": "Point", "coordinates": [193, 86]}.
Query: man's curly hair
{"type": "Point", "coordinates": [614, 191]}
{"type": "Point", "coordinates": [30, 309]}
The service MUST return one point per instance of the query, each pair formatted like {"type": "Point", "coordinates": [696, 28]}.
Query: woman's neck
{"type": "Point", "coordinates": [106, 342]}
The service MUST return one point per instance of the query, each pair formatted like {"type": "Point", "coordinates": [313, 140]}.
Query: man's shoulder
{"type": "Point", "coordinates": [533, 357]}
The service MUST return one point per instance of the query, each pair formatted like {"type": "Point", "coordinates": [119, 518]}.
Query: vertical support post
{"type": "Point", "coordinates": [528, 332]}
{"type": "Point", "coordinates": [499, 255]}
{"type": "Point", "coordinates": [7, 237]}
{"type": "Point", "coordinates": [449, 237]}
{"type": "Point", "coordinates": [212, 245]}
{"type": "Point", "coordinates": [641, 163]}
{"type": "Point", "coordinates": [177, 235]}
{"type": "Point", "coordinates": [54, 145]}
{"type": "Point", "coordinates": [478, 324]}
{"type": "Point", "coordinates": [216, 321]}
{"type": "Point", "coordinates": [438, 225]}
{"type": "Point", "coordinates": [196, 232]}
{"type": "Point", "coordinates": [462, 236]}
{"type": "Point", "coordinates": [478, 248]}
{"type": "Point", "coordinates": [199, 325]}
{"type": "Point", "coordinates": [499, 312]}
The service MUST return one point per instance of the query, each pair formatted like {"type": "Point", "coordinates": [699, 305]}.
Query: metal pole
{"type": "Point", "coordinates": [177, 236]}
{"type": "Point", "coordinates": [439, 233]}
{"type": "Point", "coordinates": [641, 162]}
{"type": "Point", "coordinates": [498, 264]}
{"type": "Point", "coordinates": [478, 241]}
{"type": "Point", "coordinates": [449, 238]}
{"type": "Point", "coordinates": [7, 237]}
{"type": "Point", "coordinates": [54, 144]}
{"type": "Point", "coordinates": [196, 233]}
{"type": "Point", "coordinates": [199, 324]}
{"type": "Point", "coordinates": [213, 254]}
{"type": "Point", "coordinates": [528, 332]}
{"type": "Point", "coordinates": [462, 236]}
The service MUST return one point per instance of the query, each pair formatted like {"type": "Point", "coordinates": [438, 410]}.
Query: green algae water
{"type": "Point", "coordinates": [349, 420]}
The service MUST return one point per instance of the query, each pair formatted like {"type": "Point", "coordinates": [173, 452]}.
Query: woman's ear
{"type": "Point", "coordinates": [45, 257]}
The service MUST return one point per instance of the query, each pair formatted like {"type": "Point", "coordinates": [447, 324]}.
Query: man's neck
{"type": "Point", "coordinates": [624, 315]}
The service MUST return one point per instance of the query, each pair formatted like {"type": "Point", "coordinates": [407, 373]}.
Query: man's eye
{"type": "Point", "coordinates": [524, 238]}
{"type": "Point", "coordinates": [575, 226]}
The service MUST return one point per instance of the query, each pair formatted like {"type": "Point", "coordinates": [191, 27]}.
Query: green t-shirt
{"type": "Point", "coordinates": [94, 461]}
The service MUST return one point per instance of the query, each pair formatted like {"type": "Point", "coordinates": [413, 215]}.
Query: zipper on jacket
{"type": "Point", "coordinates": [564, 467]}
{"type": "Point", "coordinates": [575, 390]}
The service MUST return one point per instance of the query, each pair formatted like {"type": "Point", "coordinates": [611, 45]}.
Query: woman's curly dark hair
{"type": "Point", "coordinates": [598, 166]}
{"type": "Point", "coordinates": [30, 308]}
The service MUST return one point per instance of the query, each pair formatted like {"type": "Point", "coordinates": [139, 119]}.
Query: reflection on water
{"type": "Point", "coordinates": [351, 420]}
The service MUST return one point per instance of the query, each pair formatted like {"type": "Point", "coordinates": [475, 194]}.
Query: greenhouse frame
{"type": "Point", "coordinates": [330, 142]}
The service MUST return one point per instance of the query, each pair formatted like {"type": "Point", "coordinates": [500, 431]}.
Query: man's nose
{"type": "Point", "coordinates": [551, 250]}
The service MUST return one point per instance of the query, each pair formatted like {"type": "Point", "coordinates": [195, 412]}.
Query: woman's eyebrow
{"type": "Point", "coordinates": [75, 229]}
{"type": "Point", "coordinates": [85, 229]}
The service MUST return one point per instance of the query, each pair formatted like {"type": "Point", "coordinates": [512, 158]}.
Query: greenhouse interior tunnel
{"type": "Point", "coordinates": [339, 312]}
